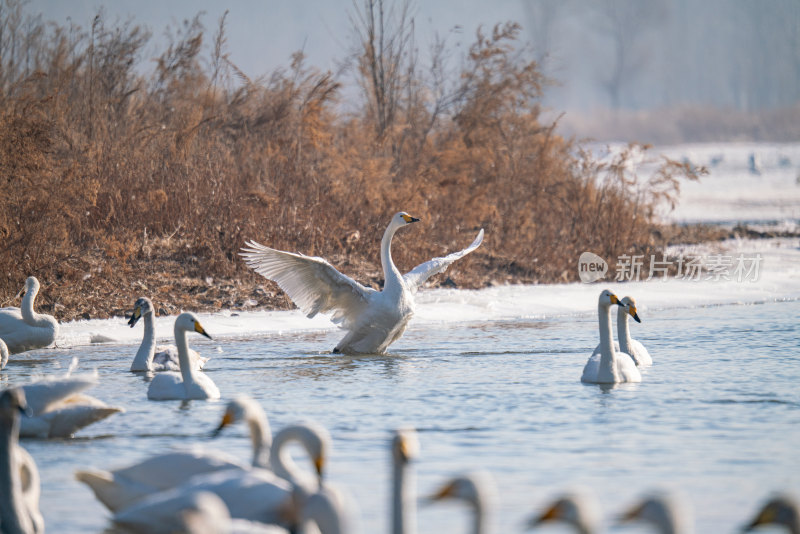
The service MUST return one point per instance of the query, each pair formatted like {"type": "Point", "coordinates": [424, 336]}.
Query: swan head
{"type": "Point", "coordinates": [578, 508]}
{"type": "Point", "coordinates": [239, 409]}
{"type": "Point", "coordinates": [476, 489]}
{"type": "Point", "coordinates": [405, 445]}
{"type": "Point", "coordinates": [313, 437]}
{"type": "Point", "coordinates": [607, 298]}
{"type": "Point", "coordinates": [143, 306]}
{"type": "Point", "coordinates": [667, 511]}
{"type": "Point", "coordinates": [12, 403]}
{"type": "Point", "coordinates": [630, 306]}
{"type": "Point", "coordinates": [779, 510]}
{"type": "Point", "coordinates": [402, 218]}
{"type": "Point", "coordinates": [188, 322]}
{"type": "Point", "coordinates": [31, 286]}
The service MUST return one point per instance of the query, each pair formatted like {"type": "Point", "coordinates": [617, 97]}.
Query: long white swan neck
{"type": "Point", "coordinates": [623, 330]}
{"type": "Point", "coordinates": [183, 355]}
{"type": "Point", "coordinates": [26, 309]}
{"type": "Point", "coordinates": [607, 371]}
{"type": "Point", "coordinates": [479, 522]}
{"type": "Point", "coordinates": [390, 273]}
{"type": "Point", "coordinates": [282, 463]}
{"type": "Point", "coordinates": [13, 516]}
{"type": "Point", "coordinates": [404, 503]}
{"type": "Point", "coordinates": [261, 436]}
{"type": "Point", "coordinates": [144, 356]}
{"type": "Point", "coordinates": [3, 354]}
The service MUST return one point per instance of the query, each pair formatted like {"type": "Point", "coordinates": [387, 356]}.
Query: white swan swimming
{"type": "Point", "coordinates": [626, 308]}
{"type": "Point", "coordinates": [405, 449]}
{"type": "Point", "coordinates": [19, 477]}
{"type": "Point", "coordinates": [609, 366]}
{"type": "Point", "coordinates": [150, 357]}
{"type": "Point", "coordinates": [203, 512]}
{"type": "Point", "coordinates": [373, 319]}
{"type": "Point", "coordinates": [782, 509]}
{"type": "Point", "coordinates": [255, 494]}
{"type": "Point", "coordinates": [188, 384]}
{"type": "Point", "coordinates": [59, 408]}
{"type": "Point", "coordinates": [630, 346]}
{"type": "Point", "coordinates": [477, 489]}
{"type": "Point", "coordinates": [577, 507]}
{"type": "Point", "coordinates": [22, 328]}
{"type": "Point", "coordinates": [120, 488]}
{"type": "Point", "coordinates": [3, 354]}
{"type": "Point", "coordinates": [668, 513]}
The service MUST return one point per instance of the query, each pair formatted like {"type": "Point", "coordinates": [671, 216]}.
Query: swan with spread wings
{"type": "Point", "coordinates": [373, 319]}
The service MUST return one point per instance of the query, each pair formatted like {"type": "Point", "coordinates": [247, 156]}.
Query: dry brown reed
{"type": "Point", "coordinates": [117, 183]}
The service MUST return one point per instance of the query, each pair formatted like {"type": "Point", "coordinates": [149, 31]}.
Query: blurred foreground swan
{"type": "Point", "coordinates": [255, 494]}
{"type": "Point", "coordinates": [477, 490]}
{"type": "Point", "coordinates": [609, 366]}
{"type": "Point", "coordinates": [668, 513]}
{"type": "Point", "coordinates": [782, 510]}
{"type": "Point", "coordinates": [188, 384]}
{"type": "Point", "coordinates": [119, 488]}
{"type": "Point", "coordinates": [405, 449]}
{"type": "Point", "coordinates": [58, 408]}
{"type": "Point", "coordinates": [373, 319]}
{"type": "Point", "coordinates": [205, 512]}
{"type": "Point", "coordinates": [19, 477]}
{"type": "Point", "coordinates": [150, 357]}
{"type": "Point", "coordinates": [22, 328]}
{"type": "Point", "coordinates": [578, 507]}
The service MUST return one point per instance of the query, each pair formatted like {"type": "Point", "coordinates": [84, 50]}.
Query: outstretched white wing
{"type": "Point", "coordinates": [417, 276]}
{"type": "Point", "coordinates": [312, 283]}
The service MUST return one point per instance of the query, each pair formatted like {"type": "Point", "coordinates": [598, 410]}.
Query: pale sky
{"type": "Point", "coordinates": [262, 34]}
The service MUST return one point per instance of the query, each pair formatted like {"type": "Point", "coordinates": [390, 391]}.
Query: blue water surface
{"type": "Point", "coordinates": [717, 417]}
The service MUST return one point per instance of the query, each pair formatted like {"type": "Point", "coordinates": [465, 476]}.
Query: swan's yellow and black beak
{"type": "Point", "coordinates": [199, 329]}
{"type": "Point", "coordinates": [633, 513]}
{"type": "Point", "coordinates": [632, 313]}
{"type": "Point", "coordinates": [615, 300]}
{"type": "Point", "coordinates": [227, 419]}
{"type": "Point", "coordinates": [319, 464]}
{"type": "Point", "coordinates": [137, 314]}
{"type": "Point", "coordinates": [766, 516]}
{"type": "Point", "coordinates": [409, 219]}
{"type": "Point", "coordinates": [448, 490]}
{"type": "Point", "coordinates": [551, 514]}
{"type": "Point", "coordinates": [23, 407]}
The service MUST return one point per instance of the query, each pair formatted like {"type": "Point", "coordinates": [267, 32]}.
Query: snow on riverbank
{"type": "Point", "coordinates": [777, 278]}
